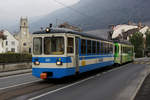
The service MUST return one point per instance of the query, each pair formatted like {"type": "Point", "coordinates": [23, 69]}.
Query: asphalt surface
{"type": "Point", "coordinates": [118, 84]}
{"type": "Point", "coordinates": [16, 80]}
{"type": "Point", "coordinates": [121, 83]}
{"type": "Point", "coordinates": [15, 72]}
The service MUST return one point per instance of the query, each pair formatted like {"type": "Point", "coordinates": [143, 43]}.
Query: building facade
{"type": "Point", "coordinates": [24, 37]}
{"type": "Point", "coordinates": [123, 32]}
{"type": "Point", "coordinates": [8, 43]}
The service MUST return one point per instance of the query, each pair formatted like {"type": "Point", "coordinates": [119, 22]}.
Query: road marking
{"type": "Point", "coordinates": [98, 75]}
{"type": "Point", "coordinates": [143, 62]}
{"type": "Point", "coordinates": [148, 63]}
{"type": "Point", "coordinates": [53, 91]}
{"type": "Point", "coordinates": [15, 75]}
{"type": "Point", "coordinates": [135, 62]}
{"type": "Point", "coordinates": [56, 90]}
{"type": "Point", "coordinates": [17, 85]}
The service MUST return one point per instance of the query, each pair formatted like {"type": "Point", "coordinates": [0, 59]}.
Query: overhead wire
{"type": "Point", "coordinates": [75, 10]}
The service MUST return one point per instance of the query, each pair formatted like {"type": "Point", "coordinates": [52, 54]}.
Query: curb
{"type": "Point", "coordinates": [9, 73]}
{"type": "Point", "coordinates": [140, 84]}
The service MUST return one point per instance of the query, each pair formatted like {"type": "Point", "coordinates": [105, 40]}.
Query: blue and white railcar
{"type": "Point", "coordinates": [59, 52]}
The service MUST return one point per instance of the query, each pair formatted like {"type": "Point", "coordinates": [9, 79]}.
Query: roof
{"type": "Point", "coordinates": [64, 30]}
{"type": "Point", "coordinates": [122, 28]}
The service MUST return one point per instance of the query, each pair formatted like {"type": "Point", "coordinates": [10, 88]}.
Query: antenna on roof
{"type": "Point", "coordinates": [50, 25]}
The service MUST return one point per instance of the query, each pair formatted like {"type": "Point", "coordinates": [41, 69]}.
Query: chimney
{"type": "Point", "coordinates": [129, 23]}
{"type": "Point", "coordinates": [139, 25]}
{"type": "Point", "coordinates": [111, 27]}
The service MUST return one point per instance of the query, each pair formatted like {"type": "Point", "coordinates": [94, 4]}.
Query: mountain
{"type": "Point", "coordinates": [98, 14]}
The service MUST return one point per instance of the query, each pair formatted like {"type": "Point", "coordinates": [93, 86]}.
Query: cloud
{"type": "Point", "coordinates": [31, 7]}
{"type": "Point", "coordinates": [12, 10]}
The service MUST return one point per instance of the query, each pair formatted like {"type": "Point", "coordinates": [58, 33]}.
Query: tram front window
{"type": "Point", "coordinates": [54, 45]}
{"type": "Point", "coordinates": [37, 46]}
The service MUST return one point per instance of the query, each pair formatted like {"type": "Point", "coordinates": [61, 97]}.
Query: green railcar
{"type": "Point", "coordinates": [123, 53]}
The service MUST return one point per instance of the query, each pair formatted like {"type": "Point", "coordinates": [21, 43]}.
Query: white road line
{"type": "Point", "coordinates": [14, 76]}
{"type": "Point", "coordinates": [17, 85]}
{"type": "Point", "coordinates": [61, 88]}
{"type": "Point", "coordinates": [117, 68]}
{"type": "Point", "coordinates": [53, 91]}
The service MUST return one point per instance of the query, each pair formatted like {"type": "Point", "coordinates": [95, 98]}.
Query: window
{"type": "Point", "coordinates": [89, 47]}
{"type": "Point", "coordinates": [6, 43]}
{"type": "Point", "coordinates": [6, 49]}
{"type": "Point", "coordinates": [98, 48]}
{"type": "Point", "coordinates": [29, 50]}
{"type": "Point", "coordinates": [116, 49]}
{"type": "Point", "coordinates": [107, 48]}
{"type": "Point", "coordinates": [102, 48]}
{"type": "Point", "coordinates": [24, 24]}
{"type": "Point", "coordinates": [110, 48]}
{"type": "Point", "coordinates": [83, 46]}
{"type": "Point", "coordinates": [54, 45]}
{"type": "Point", "coordinates": [70, 46]}
{"type": "Point", "coordinates": [12, 42]}
{"type": "Point", "coordinates": [93, 47]}
{"type": "Point", "coordinates": [12, 49]}
{"type": "Point", "coordinates": [37, 45]}
{"type": "Point", "coordinates": [24, 44]}
{"type": "Point", "coordinates": [47, 45]}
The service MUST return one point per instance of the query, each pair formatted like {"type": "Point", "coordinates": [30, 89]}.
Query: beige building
{"type": "Point", "coordinates": [24, 37]}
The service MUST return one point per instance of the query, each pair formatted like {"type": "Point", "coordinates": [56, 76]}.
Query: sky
{"type": "Point", "coordinates": [12, 10]}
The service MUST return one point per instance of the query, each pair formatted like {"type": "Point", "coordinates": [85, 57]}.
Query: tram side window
{"type": "Point", "coordinates": [98, 48]}
{"type": "Point", "coordinates": [83, 46]}
{"type": "Point", "coordinates": [102, 48]}
{"type": "Point", "coordinates": [116, 49]}
{"type": "Point", "coordinates": [110, 48]}
{"type": "Point", "coordinates": [89, 47]}
{"type": "Point", "coordinates": [93, 47]}
{"type": "Point", "coordinates": [106, 48]}
{"type": "Point", "coordinates": [70, 46]}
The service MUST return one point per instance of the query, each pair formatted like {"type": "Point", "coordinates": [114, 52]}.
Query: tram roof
{"type": "Point", "coordinates": [64, 30]}
{"type": "Point", "coordinates": [122, 42]}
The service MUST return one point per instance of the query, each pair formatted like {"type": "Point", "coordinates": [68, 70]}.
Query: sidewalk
{"type": "Point", "coordinates": [9, 73]}
{"type": "Point", "coordinates": [144, 91]}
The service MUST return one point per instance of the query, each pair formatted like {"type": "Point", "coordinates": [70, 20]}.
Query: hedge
{"type": "Point", "coordinates": [15, 57]}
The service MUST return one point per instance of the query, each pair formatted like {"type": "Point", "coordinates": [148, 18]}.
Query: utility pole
{"type": "Point", "coordinates": [56, 22]}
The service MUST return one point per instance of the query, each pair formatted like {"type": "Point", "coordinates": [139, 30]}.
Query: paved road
{"type": "Point", "coordinates": [118, 84]}
{"type": "Point", "coordinates": [15, 80]}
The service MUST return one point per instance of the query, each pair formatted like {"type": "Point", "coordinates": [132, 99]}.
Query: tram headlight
{"type": "Point", "coordinates": [36, 63]}
{"type": "Point", "coordinates": [58, 63]}
{"type": "Point", "coordinates": [47, 30]}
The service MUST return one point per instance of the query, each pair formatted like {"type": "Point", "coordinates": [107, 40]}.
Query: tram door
{"type": "Point", "coordinates": [77, 54]}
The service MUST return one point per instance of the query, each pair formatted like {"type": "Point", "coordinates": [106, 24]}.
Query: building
{"type": "Point", "coordinates": [123, 32]}
{"type": "Point", "coordinates": [24, 37]}
{"type": "Point", "coordinates": [2, 38]}
{"type": "Point", "coordinates": [7, 42]}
